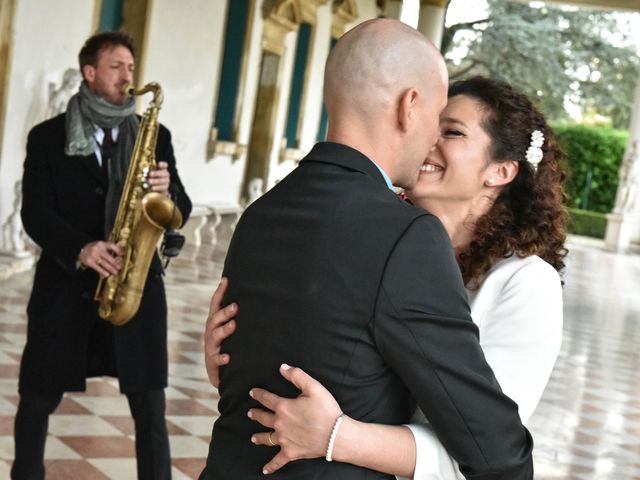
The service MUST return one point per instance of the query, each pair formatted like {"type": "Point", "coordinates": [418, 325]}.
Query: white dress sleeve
{"type": "Point", "coordinates": [520, 334]}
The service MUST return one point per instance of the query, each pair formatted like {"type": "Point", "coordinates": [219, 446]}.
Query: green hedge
{"type": "Point", "coordinates": [594, 155]}
{"type": "Point", "coordinates": [589, 224]}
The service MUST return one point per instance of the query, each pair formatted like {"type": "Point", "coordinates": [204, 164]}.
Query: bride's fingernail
{"type": "Point", "coordinates": [284, 366]}
{"type": "Point", "coordinates": [265, 471]}
{"type": "Point", "coordinates": [251, 393]}
{"type": "Point", "coordinates": [249, 414]}
{"type": "Point", "coordinates": [254, 439]}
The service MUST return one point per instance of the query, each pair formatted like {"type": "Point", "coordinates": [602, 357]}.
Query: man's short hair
{"type": "Point", "coordinates": [94, 45]}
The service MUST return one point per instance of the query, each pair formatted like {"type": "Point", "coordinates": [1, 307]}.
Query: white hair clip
{"type": "Point", "coordinates": [534, 152]}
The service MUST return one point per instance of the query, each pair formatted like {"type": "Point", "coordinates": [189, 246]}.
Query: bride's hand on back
{"type": "Point", "coordinates": [220, 325]}
{"type": "Point", "coordinates": [301, 426]}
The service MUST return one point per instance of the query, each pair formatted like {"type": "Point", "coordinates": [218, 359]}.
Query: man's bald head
{"type": "Point", "coordinates": [375, 62]}
{"type": "Point", "coordinates": [385, 86]}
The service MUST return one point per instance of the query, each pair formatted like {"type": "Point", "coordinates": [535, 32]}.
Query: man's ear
{"type": "Point", "coordinates": [407, 108]}
{"type": "Point", "coordinates": [89, 73]}
{"type": "Point", "coordinates": [502, 173]}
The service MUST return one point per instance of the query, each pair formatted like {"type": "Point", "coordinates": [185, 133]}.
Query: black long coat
{"type": "Point", "coordinates": [63, 210]}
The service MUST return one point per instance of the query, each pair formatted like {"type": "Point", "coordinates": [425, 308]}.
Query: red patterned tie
{"type": "Point", "coordinates": [106, 149]}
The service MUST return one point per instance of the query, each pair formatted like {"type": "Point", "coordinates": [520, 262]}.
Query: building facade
{"type": "Point", "coordinates": [242, 82]}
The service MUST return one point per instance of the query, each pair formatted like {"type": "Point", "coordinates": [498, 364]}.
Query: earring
{"type": "Point", "coordinates": [489, 182]}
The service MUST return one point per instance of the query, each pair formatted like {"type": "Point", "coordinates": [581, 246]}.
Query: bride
{"type": "Point", "coordinates": [494, 180]}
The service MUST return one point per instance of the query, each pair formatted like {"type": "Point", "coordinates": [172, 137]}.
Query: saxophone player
{"type": "Point", "coordinates": [73, 179]}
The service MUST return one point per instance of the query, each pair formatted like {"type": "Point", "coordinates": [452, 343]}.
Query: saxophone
{"type": "Point", "coordinates": [141, 219]}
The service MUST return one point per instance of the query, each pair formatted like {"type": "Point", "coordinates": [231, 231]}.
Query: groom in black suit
{"type": "Point", "coordinates": [336, 275]}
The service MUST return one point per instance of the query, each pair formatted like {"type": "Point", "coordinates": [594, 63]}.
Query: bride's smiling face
{"type": "Point", "coordinates": [456, 168]}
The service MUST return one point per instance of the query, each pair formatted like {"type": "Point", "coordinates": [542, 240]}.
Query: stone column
{"type": "Point", "coordinates": [623, 222]}
{"type": "Point", "coordinates": [392, 9]}
{"type": "Point", "coordinates": [431, 19]}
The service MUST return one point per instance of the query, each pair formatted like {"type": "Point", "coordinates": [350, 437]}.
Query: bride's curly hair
{"type": "Point", "coordinates": [529, 215]}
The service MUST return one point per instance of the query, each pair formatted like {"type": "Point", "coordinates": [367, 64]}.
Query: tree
{"type": "Point", "coordinates": [557, 54]}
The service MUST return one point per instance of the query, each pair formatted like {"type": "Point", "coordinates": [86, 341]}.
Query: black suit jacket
{"type": "Point", "coordinates": [63, 210]}
{"type": "Point", "coordinates": [334, 274]}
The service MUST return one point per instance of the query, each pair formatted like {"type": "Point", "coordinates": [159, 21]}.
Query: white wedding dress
{"type": "Point", "coordinates": [518, 310]}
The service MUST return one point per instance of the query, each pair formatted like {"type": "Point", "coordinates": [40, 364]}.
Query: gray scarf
{"type": "Point", "coordinates": [86, 110]}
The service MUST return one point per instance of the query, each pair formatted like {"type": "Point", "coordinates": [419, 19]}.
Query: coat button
{"type": "Point", "coordinates": [99, 191]}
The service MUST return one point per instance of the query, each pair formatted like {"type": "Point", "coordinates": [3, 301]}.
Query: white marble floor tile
{"type": "Point", "coordinates": [201, 385]}
{"type": "Point", "coordinates": [187, 370]}
{"type": "Point", "coordinates": [8, 386]}
{"type": "Point", "coordinates": [184, 446]}
{"type": "Point", "coordinates": [198, 425]}
{"type": "Point", "coordinates": [16, 339]}
{"type": "Point", "coordinates": [7, 359]}
{"type": "Point", "coordinates": [196, 357]}
{"type": "Point", "coordinates": [57, 450]}
{"type": "Point", "coordinates": [116, 468]}
{"type": "Point", "coordinates": [5, 469]}
{"type": "Point", "coordinates": [80, 425]}
{"type": "Point", "coordinates": [175, 336]}
{"type": "Point", "coordinates": [6, 448]}
{"type": "Point", "coordinates": [105, 405]}
{"type": "Point", "coordinates": [211, 403]}
{"type": "Point", "coordinates": [7, 407]}
{"type": "Point", "coordinates": [171, 393]}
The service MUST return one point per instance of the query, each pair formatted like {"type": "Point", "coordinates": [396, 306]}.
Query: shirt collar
{"type": "Point", "coordinates": [384, 174]}
{"type": "Point", "coordinates": [348, 157]}
{"type": "Point", "coordinates": [99, 134]}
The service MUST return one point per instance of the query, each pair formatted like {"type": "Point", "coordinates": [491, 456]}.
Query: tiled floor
{"type": "Point", "coordinates": [586, 427]}
{"type": "Point", "coordinates": [91, 433]}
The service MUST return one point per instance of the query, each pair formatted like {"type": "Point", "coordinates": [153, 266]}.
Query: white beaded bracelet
{"type": "Point", "coordinates": [332, 437]}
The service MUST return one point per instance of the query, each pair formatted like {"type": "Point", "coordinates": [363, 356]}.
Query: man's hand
{"type": "Point", "coordinates": [159, 178]}
{"type": "Point", "coordinates": [103, 257]}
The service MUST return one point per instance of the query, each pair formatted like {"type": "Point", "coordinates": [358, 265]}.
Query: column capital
{"type": "Point", "coordinates": [308, 10]}
{"type": "Point", "coordinates": [281, 17]}
{"type": "Point", "coordinates": [431, 19]}
{"type": "Point", "coordinates": [434, 3]}
{"type": "Point", "coordinates": [344, 12]}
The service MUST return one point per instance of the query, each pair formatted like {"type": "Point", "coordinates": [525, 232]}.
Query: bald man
{"type": "Point", "coordinates": [336, 275]}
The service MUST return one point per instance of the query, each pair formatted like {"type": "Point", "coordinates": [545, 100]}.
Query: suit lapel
{"type": "Point", "coordinates": [90, 162]}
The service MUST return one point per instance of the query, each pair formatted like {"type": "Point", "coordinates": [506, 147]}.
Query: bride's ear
{"type": "Point", "coordinates": [502, 173]}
